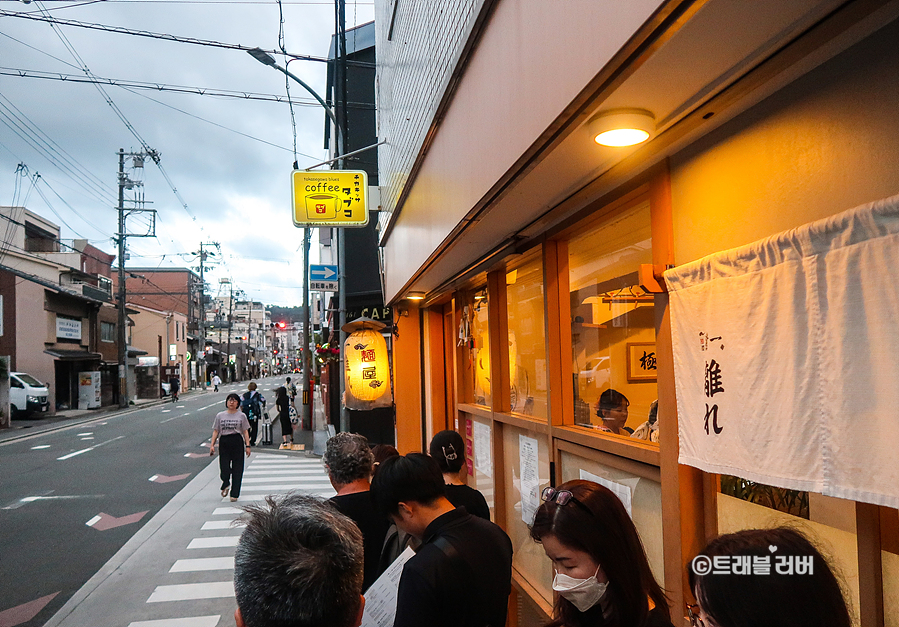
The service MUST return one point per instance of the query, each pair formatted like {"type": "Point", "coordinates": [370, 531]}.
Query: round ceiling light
{"type": "Point", "coordinates": [622, 127]}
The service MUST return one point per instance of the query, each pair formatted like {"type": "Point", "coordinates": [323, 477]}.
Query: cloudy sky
{"type": "Point", "coordinates": [229, 158]}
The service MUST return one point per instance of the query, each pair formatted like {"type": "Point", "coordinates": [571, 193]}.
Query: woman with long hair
{"type": "Point", "coordinates": [775, 578]}
{"type": "Point", "coordinates": [282, 402]}
{"type": "Point", "coordinates": [602, 575]}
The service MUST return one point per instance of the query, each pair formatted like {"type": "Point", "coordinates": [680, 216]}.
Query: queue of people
{"type": "Point", "coordinates": [303, 561]}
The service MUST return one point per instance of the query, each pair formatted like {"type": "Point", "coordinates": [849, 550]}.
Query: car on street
{"type": "Point", "coordinates": [27, 395]}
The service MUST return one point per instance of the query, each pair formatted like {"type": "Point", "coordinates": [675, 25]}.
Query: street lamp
{"type": "Point", "coordinates": [267, 59]}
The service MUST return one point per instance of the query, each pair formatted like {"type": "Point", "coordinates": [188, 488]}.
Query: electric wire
{"type": "Point", "coordinates": [53, 209]}
{"type": "Point", "coordinates": [19, 41]}
{"type": "Point", "coordinates": [27, 136]}
{"type": "Point", "coordinates": [221, 126]}
{"type": "Point", "coordinates": [282, 44]}
{"type": "Point", "coordinates": [154, 155]}
{"type": "Point", "coordinates": [73, 210]}
{"type": "Point", "coordinates": [164, 36]}
{"type": "Point", "coordinates": [185, 89]}
{"type": "Point", "coordinates": [54, 148]}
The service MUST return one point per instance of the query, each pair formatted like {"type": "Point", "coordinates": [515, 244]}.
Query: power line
{"type": "Point", "coordinates": [184, 89]}
{"type": "Point", "coordinates": [43, 148]}
{"type": "Point", "coordinates": [71, 162]}
{"type": "Point", "coordinates": [164, 36]}
{"type": "Point", "coordinates": [187, 113]}
{"type": "Point", "coordinates": [58, 241]}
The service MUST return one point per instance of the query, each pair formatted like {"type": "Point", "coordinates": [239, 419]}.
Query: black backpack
{"type": "Point", "coordinates": [250, 406]}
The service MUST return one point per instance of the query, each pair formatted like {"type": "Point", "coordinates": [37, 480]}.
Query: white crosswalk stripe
{"type": "Point", "coordinates": [264, 474]}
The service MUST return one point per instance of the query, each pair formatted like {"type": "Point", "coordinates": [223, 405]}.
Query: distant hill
{"type": "Point", "coordinates": [287, 314]}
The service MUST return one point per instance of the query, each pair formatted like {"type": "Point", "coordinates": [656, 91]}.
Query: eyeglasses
{"type": "Point", "coordinates": [693, 614]}
{"type": "Point", "coordinates": [562, 498]}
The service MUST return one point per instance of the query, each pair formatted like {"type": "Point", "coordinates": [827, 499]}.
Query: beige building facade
{"type": "Point", "coordinates": [539, 255]}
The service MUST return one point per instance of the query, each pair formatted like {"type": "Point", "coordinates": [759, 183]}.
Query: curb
{"type": "Point", "coordinates": [81, 420]}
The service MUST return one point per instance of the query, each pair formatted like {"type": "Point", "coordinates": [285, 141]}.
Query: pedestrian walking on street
{"type": "Point", "coordinates": [216, 382]}
{"type": "Point", "coordinates": [291, 392]}
{"type": "Point", "coordinates": [253, 406]}
{"type": "Point", "coordinates": [282, 402]}
{"type": "Point", "coordinates": [232, 430]}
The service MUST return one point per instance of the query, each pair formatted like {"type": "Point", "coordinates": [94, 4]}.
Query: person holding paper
{"type": "Point", "coordinates": [461, 575]}
{"type": "Point", "coordinates": [602, 576]}
{"type": "Point", "coordinates": [298, 562]}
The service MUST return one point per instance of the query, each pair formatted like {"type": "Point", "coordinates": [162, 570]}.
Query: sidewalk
{"type": "Point", "coordinates": [178, 569]}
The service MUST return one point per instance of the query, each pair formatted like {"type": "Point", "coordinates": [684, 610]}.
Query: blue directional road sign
{"type": "Point", "coordinates": [323, 278]}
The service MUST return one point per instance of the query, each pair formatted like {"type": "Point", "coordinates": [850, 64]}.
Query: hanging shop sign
{"type": "Point", "coordinates": [329, 198]}
{"type": "Point", "coordinates": [784, 357]}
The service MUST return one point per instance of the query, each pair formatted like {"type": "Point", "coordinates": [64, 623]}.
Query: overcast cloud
{"type": "Point", "coordinates": [237, 188]}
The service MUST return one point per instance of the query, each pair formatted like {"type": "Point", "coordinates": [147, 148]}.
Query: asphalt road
{"type": "Point", "coordinates": [61, 492]}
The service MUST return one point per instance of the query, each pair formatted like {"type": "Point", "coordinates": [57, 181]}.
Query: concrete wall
{"type": "Point", "coordinates": [824, 144]}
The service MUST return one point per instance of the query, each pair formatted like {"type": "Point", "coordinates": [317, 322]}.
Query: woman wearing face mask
{"type": "Point", "coordinates": [602, 576]}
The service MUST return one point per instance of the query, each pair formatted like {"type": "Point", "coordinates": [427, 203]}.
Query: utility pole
{"type": "Point", "coordinates": [305, 354]}
{"type": "Point", "coordinates": [341, 109]}
{"type": "Point", "coordinates": [127, 183]}
{"type": "Point", "coordinates": [201, 358]}
{"type": "Point", "coordinates": [230, 309]}
{"type": "Point", "coordinates": [120, 239]}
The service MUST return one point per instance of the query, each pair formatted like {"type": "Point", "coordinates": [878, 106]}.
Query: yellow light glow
{"type": "Point", "coordinates": [622, 137]}
{"type": "Point", "coordinates": [367, 367]}
{"type": "Point", "coordinates": [416, 296]}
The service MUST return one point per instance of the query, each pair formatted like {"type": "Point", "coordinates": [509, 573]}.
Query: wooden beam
{"type": "Point", "coordinates": [870, 564]}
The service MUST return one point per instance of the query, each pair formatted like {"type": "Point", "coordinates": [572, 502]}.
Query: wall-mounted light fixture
{"type": "Point", "coordinates": [415, 295]}
{"type": "Point", "coordinates": [622, 127]}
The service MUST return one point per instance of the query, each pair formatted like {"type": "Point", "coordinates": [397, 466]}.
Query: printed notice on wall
{"type": "Point", "coordinates": [530, 477]}
{"type": "Point", "coordinates": [483, 458]}
{"type": "Point", "coordinates": [622, 491]}
{"type": "Point", "coordinates": [380, 598]}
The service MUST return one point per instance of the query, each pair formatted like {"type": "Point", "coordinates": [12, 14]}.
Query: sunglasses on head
{"type": "Point", "coordinates": [562, 498]}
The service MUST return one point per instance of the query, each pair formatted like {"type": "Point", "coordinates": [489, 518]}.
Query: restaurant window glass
{"type": "Point", "coordinates": [475, 333]}
{"type": "Point", "coordinates": [527, 344]}
{"type": "Point", "coordinates": [613, 327]}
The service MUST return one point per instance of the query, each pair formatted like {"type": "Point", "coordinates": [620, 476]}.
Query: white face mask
{"type": "Point", "coordinates": [582, 593]}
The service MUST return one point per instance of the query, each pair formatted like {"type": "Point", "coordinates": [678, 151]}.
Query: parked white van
{"type": "Point", "coordinates": [27, 395]}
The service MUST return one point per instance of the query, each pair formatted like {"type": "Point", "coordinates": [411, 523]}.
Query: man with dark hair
{"type": "Point", "coordinates": [299, 563]}
{"type": "Point", "coordinates": [349, 462]}
{"type": "Point", "coordinates": [461, 575]}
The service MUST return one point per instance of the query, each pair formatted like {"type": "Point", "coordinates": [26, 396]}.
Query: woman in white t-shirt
{"type": "Point", "coordinates": [232, 429]}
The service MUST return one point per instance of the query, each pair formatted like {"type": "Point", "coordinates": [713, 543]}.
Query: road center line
{"type": "Point", "coordinates": [75, 453]}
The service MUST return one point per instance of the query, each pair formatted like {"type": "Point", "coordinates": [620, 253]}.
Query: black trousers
{"type": "Point", "coordinates": [254, 430]}
{"type": "Point", "coordinates": [231, 458]}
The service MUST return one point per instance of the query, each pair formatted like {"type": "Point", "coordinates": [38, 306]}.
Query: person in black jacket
{"type": "Point", "coordinates": [282, 402]}
{"type": "Point", "coordinates": [448, 449]}
{"type": "Point", "coordinates": [461, 575]}
{"type": "Point", "coordinates": [348, 460]}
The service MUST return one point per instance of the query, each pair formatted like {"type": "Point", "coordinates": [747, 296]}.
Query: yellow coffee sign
{"type": "Point", "coordinates": [330, 198]}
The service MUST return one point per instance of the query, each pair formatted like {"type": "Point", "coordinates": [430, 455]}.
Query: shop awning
{"type": "Point", "coordinates": [785, 357]}
{"type": "Point", "coordinates": [73, 355]}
